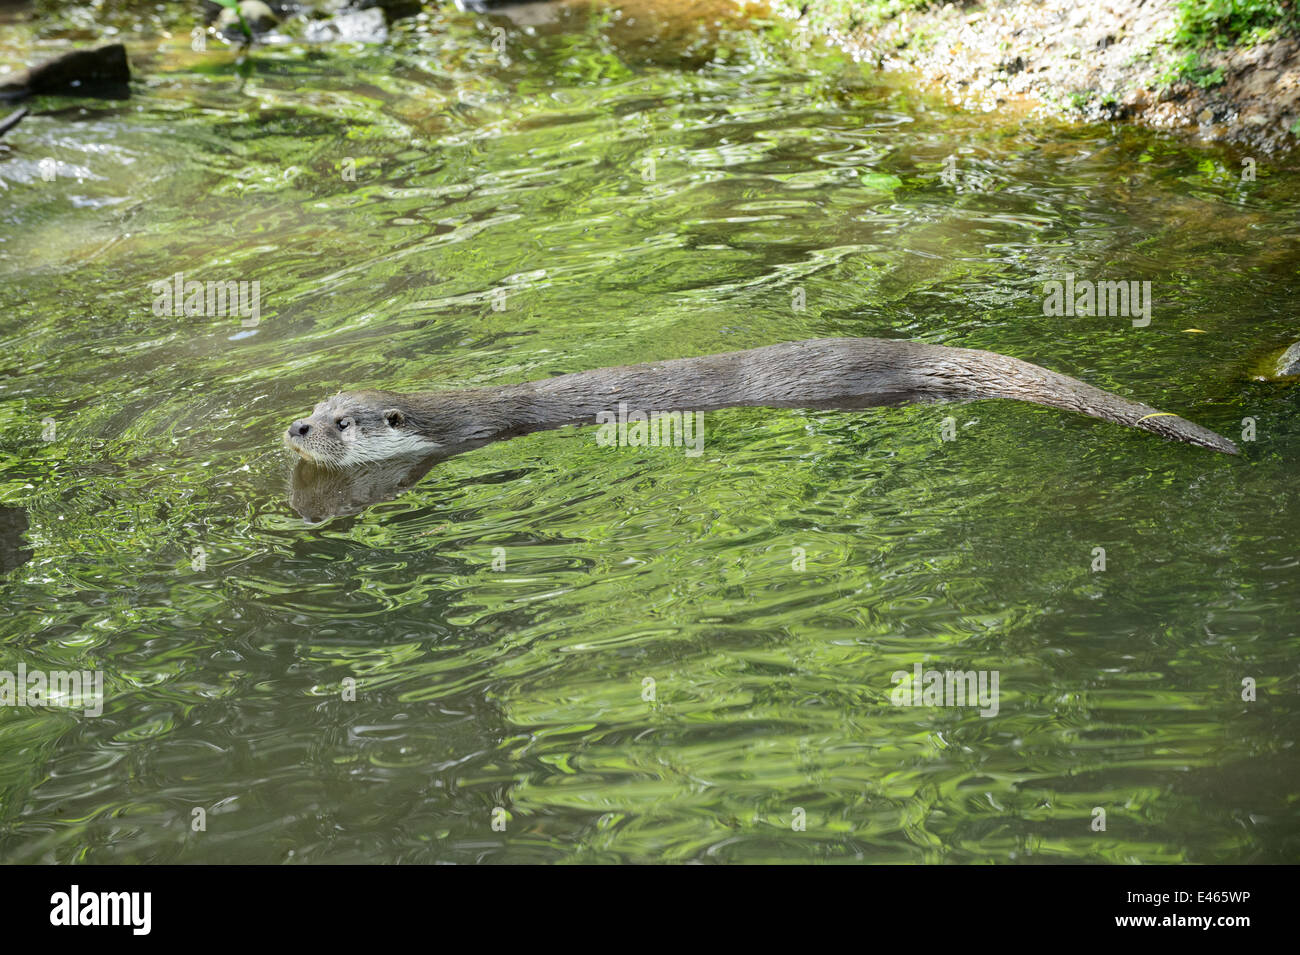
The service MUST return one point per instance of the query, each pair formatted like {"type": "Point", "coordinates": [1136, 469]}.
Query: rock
{"type": "Point", "coordinates": [259, 17]}
{"type": "Point", "coordinates": [101, 69]}
{"type": "Point", "coordinates": [1289, 363]}
{"type": "Point", "coordinates": [360, 26]}
{"type": "Point", "coordinates": [1136, 99]}
{"type": "Point", "coordinates": [526, 13]}
{"type": "Point", "coordinates": [393, 9]}
{"type": "Point", "coordinates": [485, 6]}
{"type": "Point", "coordinates": [316, 21]}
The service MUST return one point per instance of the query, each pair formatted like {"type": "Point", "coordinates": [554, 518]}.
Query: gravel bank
{"type": "Point", "coordinates": [1112, 59]}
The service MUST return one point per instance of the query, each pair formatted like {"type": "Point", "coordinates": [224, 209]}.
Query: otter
{"type": "Point", "coordinates": [357, 427]}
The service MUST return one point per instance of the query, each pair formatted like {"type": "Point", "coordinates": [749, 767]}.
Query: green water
{"type": "Point", "coordinates": [503, 225]}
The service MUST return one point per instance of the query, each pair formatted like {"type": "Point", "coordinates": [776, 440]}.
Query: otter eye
{"type": "Point", "coordinates": [343, 423]}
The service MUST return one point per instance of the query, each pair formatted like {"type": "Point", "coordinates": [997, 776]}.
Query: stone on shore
{"type": "Point", "coordinates": [97, 70]}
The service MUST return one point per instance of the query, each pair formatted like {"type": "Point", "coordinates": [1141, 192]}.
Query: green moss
{"type": "Point", "coordinates": [1223, 24]}
{"type": "Point", "coordinates": [1231, 22]}
{"type": "Point", "coordinates": [1188, 68]}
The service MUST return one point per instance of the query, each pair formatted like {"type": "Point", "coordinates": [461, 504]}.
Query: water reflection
{"type": "Point", "coordinates": [13, 550]}
{"type": "Point", "coordinates": [318, 493]}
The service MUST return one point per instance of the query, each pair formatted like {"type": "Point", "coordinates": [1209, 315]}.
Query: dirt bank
{"type": "Point", "coordinates": [1113, 59]}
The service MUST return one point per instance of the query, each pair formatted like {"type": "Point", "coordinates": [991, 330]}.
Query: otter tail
{"type": "Point", "coordinates": [822, 373]}
{"type": "Point", "coordinates": [988, 374]}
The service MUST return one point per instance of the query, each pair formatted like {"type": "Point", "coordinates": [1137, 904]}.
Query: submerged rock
{"type": "Point", "coordinates": [1277, 365]}
{"type": "Point", "coordinates": [103, 69]}
{"type": "Point", "coordinates": [324, 21]}
{"type": "Point", "coordinates": [260, 19]}
{"type": "Point", "coordinates": [359, 26]}
{"type": "Point", "coordinates": [1289, 363]}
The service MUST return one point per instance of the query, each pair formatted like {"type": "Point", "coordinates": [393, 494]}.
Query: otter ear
{"type": "Point", "coordinates": [394, 417]}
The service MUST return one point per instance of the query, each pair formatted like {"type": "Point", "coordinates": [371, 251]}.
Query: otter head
{"type": "Point", "coordinates": [354, 427]}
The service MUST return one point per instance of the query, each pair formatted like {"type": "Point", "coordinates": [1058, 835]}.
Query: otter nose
{"type": "Point", "coordinates": [299, 429]}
